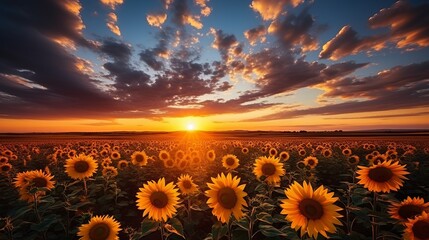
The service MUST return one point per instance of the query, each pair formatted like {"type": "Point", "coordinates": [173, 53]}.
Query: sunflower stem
{"type": "Point", "coordinates": [189, 208]}
{"type": "Point", "coordinates": [86, 189]}
{"type": "Point", "coordinates": [36, 211]}
{"type": "Point", "coordinates": [229, 229]}
{"type": "Point", "coordinates": [162, 229]}
{"type": "Point", "coordinates": [373, 222]}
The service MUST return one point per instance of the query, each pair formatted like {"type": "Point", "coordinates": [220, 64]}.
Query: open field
{"type": "Point", "coordinates": [365, 177]}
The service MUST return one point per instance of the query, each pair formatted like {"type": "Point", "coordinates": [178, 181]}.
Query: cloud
{"type": "Point", "coordinates": [205, 10]}
{"type": "Point", "coordinates": [226, 44]}
{"type": "Point", "coordinates": [408, 27]}
{"type": "Point", "coordinates": [156, 20]}
{"type": "Point", "coordinates": [112, 20]}
{"type": "Point", "coordinates": [112, 3]}
{"type": "Point", "coordinates": [256, 34]}
{"type": "Point", "coordinates": [271, 9]}
{"type": "Point", "coordinates": [398, 88]}
{"type": "Point", "coordinates": [295, 31]}
{"type": "Point", "coordinates": [182, 15]}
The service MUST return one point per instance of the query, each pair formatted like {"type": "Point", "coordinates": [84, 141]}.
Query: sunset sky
{"type": "Point", "coordinates": [161, 65]}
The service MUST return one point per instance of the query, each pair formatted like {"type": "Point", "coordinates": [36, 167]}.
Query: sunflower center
{"type": "Point", "coordinates": [210, 155]}
{"type": "Point", "coordinates": [227, 197]}
{"type": "Point", "coordinates": [311, 208]}
{"type": "Point", "coordinates": [5, 168]}
{"type": "Point", "coordinates": [268, 169]}
{"type": "Point", "coordinates": [230, 161]}
{"type": "Point", "coordinates": [164, 156]}
{"type": "Point", "coordinates": [159, 199]}
{"type": "Point", "coordinates": [187, 184]}
{"type": "Point", "coordinates": [380, 174]}
{"type": "Point", "coordinates": [409, 211]}
{"type": "Point", "coordinates": [311, 162]}
{"type": "Point", "coordinates": [326, 153]}
{"type": "Point", "coordinates": [421, 229]}
{"type": "Point", "coordinates": [40, 182]}
{"type": "Point", "coordinates": [139, 158]}
{"type": "Point", "coordinates": [81, 166]}
{"type": "Point", "coordinates": [99, 231]}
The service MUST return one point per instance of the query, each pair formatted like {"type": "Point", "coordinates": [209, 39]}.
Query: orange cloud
{"type": "Point", "coordinates": [205, 10]}
{"type": "Point", "coordinates": [156, 20]}
{"type": "Point", "coordinates": [112, 3]}
{"type": "Point", "coordinates": [256, 34]}
{"type": "Point", "coordinates": [271, 9]}
{"type": "Point", "coordinates": [112, 20]}
{"type": "Point", "coordinates": [194, 21]}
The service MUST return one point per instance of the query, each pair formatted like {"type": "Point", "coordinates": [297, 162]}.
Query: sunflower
{"type": "Point", "coordinates": [272, 152]}
{"type": "Point", "coordinates": [164, 155]}
{"type": "Point", "coordinates": [284, 156]}
{"type": "Point", "coordinates": [380, 158]}
{"type": "Point", "coordinates": [71, 153]}
{"type": "Point", "coordinates": [3, 159]}
{"type": "Point", "coordinates": [186, 185]}
{"type": "Point", "coordinates": [115, 155]}
{"type": "Point", "coordinates": [81, 167]}
{"type": "Point", "coordinates": [25, 181]}
{"type": "Point", "coordinates": [270, 167]}
{"type": "Point", "coordinates": [382, 177]}
{"type": "Point", "coordinates": [226, 197]}
{"type": "Point", "coordinates": [353, 160]}
{"type": "Point", "coordinates": [100, 228]}
{"type": "Point", "coordinates": [409, 208]}
{"type": "Point", "coordinates": [6, 167]}
{"type": "Point", "coordinates": [211, 155]}
{"type": "Point", "coordinates": [311, 161]}
{"type": "Point", "coordinates": [110, 171]}
{"type": "Point", "coordinates": [302, 152]}
{"type": "Point", "coordinates": [122, 164]}
{"type": "Point", "coordinates": [347, 152]}
{"type": "Point", "coordinates": [245, 150]}
{"type": "Point", "coordinates": [312, 211]}
{"type": "Point", "coordinates": [230, 161]}
{"type": "Point", "coordinates": [327, 152]}
{"type": "Point", "coordinates": [139, 158]}
{"type": "Point", "coordinates": [158, 200]}
{"type": "Point", "coordinates": [179, 155]}
{"type": "Point", "coordinates": [417, 228]}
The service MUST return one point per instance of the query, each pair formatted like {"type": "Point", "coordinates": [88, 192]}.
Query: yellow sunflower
{"type": "Point", "coordinates": [226, 197]}
{"type": "Point", "coordinates": [353, 160]}
{"type": "Point", "coordinates": [327, 152]}
{"type": "Point", "coordinates": [100, 228]}
{"type": "Point", "coordinates": [5, 167]}
{"type": "Point", "coordinates": [270, 167]}
{"type": "Point", "coordinates": [312, 211]}
{"type": "Point", "coordinates": [25, 181]}
{"type": "Point", "coordinates": [382, 177]}
{"type": "Point", "coordinates": [245, 150]}
{"type": "Point", "coordinates": [110, 171]}
{"type": "Point", "coordinates": [302, 152]}
{"type": "Point", "coordinates": [164, 155]}
{"type": "Point", "coordinates": [169, 163]}
{"type": "Point", "coordinates": [230, 161]}
{"type": "Point", "coordinates": [122, 164]}
{"type": "Point", "coordinates": [139, 158]}
{"type": "Point", "coordinates": [211, 155]}
{"type": "Point", "coordinates": [409, 208]}
{"type": "Point", "coordinates": [81, 167]}
{"type": "Point", "coordinates": [347, 152]}
{"type": "Point", "coordinates": [417, 228]}
{"type": "Point", "coordinates": [157, 200]}
{"type": "Point", "coordinates": [311, 161]}
{"type": "Point", "coordinates": [272, 152]}
{"type": "Point", "coordinates": [284, 156]}
{"type": "Point", "coordinates": [186, 185]}
{"type": "Point", "coordinates": [115, 155]}
{"type": "Point", "coordinates": [179, 155]}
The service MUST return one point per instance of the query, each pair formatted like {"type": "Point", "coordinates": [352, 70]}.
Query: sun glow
{"type": "Point", "coordinates": [190, 126]}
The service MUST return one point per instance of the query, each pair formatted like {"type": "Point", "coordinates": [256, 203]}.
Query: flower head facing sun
{"type": "Point", "coordinates": [383, 177]}
{"type": "Point", "coordinates": [226, 197]}
{"type": "Point", "coordinates": [186, 185]}
{"type": "Point", "coordinates": [312, 211]}
{"type": "Point", "coordinates": [139, 158]}
{"type": "Point", "coordinates": [408, 209]}
{"type": "Point", "coordinates": [28, 180]}
{"type": "Point", "coordinates": [270, 167]}
{"type": "Point", "coordinates": [158, 200]}
{"type": "Point", "coordinates": [81, 167]}
{"type": "Point", "coordinates": [100, 228]}
{"type": "Point", "coordinates": [230, 162]}
{"type": "Point", "coordinates": [417, 228]}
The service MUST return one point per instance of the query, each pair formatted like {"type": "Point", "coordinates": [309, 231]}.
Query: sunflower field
{"type": "Point", "coordinates": [213, 188]}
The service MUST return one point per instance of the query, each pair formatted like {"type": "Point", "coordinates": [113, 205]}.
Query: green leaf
{"type": "Point", "coordinates": [243, 223]}
{"type": "Point", "coordinates": [264, 217]}
{"type": "Point", "coordinates": [219, 230]}
{"type": "Point", "coordinates": [176, 227]}
{"type": "Point", "coordinates": [148, 226]}
{"type": "Point", "coordinates": [271, 231]}
{"type": "Point", "coordinates": [46, 223]}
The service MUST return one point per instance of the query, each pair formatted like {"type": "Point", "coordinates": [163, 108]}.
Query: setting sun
{"type": "Point", "coordinates": [190, 126]}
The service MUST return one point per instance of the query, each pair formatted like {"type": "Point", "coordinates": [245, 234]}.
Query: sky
{"type": "Point", "coordinates": [162, 65]}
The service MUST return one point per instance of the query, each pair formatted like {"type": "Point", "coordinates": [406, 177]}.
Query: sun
{"type": "Point", "coordinates": [190, 126]}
